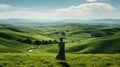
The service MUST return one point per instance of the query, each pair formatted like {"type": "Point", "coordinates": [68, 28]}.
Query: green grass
{"type": "Point", "coordinates": [11, 46]}
{"type": "Point", "coordinates": [48, 60]}
{"type": "Point", "coordinates": [9, 35]}
{"type": "Point", "coordinates": [77, 40]}
{"type": "Point", "coordinates": [82, 50]}
{"type": "Point", "coordinates": [4, 49]}
{"type": "Point", "coordinates": [109, 44]}
{"type": "Point", "coordinates": [26, 33]}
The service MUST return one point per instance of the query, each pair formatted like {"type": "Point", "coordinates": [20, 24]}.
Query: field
{"type": "Point", "coordinates": [87, 45]}
{"type": "Point", "coordinates": [48, 60]}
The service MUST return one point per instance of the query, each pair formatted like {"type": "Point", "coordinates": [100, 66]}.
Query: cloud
{"type": "Point", "coordinates": [82, 11]}
{"type": "Point", "coordinates": [5, 6]}
{"type": "Point", "coordinates": [86, 10]}
{"type": "Point", "coordinates": [91, 0]}
{"type": "Point", "coordinates": [25, 14]}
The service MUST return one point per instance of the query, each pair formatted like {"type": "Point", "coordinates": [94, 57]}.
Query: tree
{"type": "Point", "coordinates": [50, 42]}
{"type": "Point", "coordinates": [43, 42]}
{"type": "Point", "coordinates": [37, 42]}
{"type": "Point", "coordinates": [20, 40]}
{"type": "Point", "coordinates": [63, 33]}
{"type": "Point", "coordinates": [108, 33]}
{"type": "Point", "coordinates": [55, 42]}
{"type": "Point", "coordinates": [98, 34]}
{"type": "Point", "coordinates": [28, 41]}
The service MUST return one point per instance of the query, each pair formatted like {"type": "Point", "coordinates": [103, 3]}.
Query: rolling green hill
{"type": "Point", "coordinates": [14, 32]}
{"type": "Point", "coordinates": [79, 38]}
{"type": "Point", "coordinates": [86, 45]}
{"type": "Point", "coordinates": [110, 44]}
{"type": "Point", "coordinates": [11, 46]}
{"type": "Point", "coordinates": [9, 36]}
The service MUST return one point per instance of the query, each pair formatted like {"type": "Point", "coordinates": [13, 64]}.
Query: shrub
{"type": "Point", "coordinates": [98, 34]}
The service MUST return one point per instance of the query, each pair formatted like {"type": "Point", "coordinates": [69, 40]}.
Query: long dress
{"type": "Point", "coordinates": [61, 53]}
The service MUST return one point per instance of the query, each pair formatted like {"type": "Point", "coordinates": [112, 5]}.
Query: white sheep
{"type": "Point", "coordinates": [30, 50]}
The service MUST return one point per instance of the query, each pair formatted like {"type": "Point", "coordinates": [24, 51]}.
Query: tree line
{"type": "Point", "coordinates": [37, 42]}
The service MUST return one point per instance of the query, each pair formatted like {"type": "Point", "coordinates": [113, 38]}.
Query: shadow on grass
{"type": "Point", "coordinates": [64, 64]}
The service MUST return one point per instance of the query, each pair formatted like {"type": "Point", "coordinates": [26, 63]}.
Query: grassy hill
{"type": "Point", "coordinates": [79, 38]}
{"type": "Point", "coordinates": [110, 44]}
{"type": "Point", "coordinates": [9, 36]}
{"type": "Point", "coordinates": [86, 45]}
{"type": "Point", "coordinates": [48, 60]}
{"type": "Point", "coordinates": [11, 46]}
{"type": "Point", "coordinates": [14, 32]}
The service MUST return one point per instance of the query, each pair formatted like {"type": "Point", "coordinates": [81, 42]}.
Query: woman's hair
{"type": "Point", "coordinates": [61, 39]}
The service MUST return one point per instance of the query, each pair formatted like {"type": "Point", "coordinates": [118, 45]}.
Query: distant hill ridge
{"type": "Point", "coordinates": [111, 21]}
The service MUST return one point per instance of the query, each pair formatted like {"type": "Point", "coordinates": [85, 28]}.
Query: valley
{"type": "Point", "coordinates": [83, 43]}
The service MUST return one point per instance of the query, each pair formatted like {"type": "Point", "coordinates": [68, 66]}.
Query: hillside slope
{"type": "Point", "coordinates": [11, 46]}
{"type": "Point", "coordinates": [9, 36]}
{"type": "Point", "coordinates": [78, 38]}
{"type": "Point", "coordinates": [110, 44]}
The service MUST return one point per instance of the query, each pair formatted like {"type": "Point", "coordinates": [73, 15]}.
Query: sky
{"type": "Point", "coordinates": [60, 9]}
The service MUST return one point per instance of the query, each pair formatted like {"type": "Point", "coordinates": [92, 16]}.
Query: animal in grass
{"type": "Point", "coordinates": [61, 52]}
{"type": "Point", "coordinates": [30, 50]}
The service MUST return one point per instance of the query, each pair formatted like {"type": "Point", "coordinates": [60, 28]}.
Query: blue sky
{"type": "Point", "coordinates": [59, 9]}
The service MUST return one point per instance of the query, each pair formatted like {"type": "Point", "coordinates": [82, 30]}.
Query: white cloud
{"type": "Point", "coordinates": [83, 11]}
{"type": "Point", "coordinates": [87, 10]}
{"type": "Point", "coordinates": [5, 6]}
{"type": "Point", "coordinates": [91, 0]}
{"type": "Point", "coordinates": [27, 14]}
